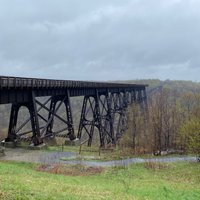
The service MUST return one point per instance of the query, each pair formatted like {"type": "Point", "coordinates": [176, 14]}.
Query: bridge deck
{"type": "Point", "coordinates": [17, 90]}
{"type": "Point", "coordinates": [18, 82]}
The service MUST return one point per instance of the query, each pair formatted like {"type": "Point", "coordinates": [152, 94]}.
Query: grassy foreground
{"type": "Point", "coordinates": [138, 181]}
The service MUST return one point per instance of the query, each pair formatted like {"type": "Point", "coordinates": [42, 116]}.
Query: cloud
{"type": "Point", "coordinates": [100, 40]}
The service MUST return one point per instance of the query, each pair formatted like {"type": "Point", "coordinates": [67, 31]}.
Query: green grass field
{"type": "Point", "coordinates": [139, 181]}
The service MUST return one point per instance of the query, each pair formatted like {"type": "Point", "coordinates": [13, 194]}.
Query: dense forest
{"type": "Point", "coordinates": [172, 123]}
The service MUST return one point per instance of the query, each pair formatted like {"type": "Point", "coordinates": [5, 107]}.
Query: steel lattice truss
{"type": "Point", "coordinates": [104, 108]}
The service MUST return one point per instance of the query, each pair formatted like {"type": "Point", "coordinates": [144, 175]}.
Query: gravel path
{"type": "Point", "coordinates": [126, 162]}
{"type": "Point", "coordinates": [36, 156]}
{"type": "Point", "coordinates": [55, 157]}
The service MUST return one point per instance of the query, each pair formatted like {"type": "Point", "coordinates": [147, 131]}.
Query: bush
{"type": "Point", "coordinates": [190, 135]}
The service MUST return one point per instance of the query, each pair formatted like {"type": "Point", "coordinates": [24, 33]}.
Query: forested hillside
{"type": "Point", "coordinates": [179, 86]}
{"type": "Point", "coordinates": [173, 122]}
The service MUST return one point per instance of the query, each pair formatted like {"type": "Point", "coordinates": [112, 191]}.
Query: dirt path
{"type": "Point", "coordinates": [46, 157]}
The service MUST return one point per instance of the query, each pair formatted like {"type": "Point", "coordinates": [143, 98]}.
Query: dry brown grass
{"type": "Point", "coordinates": [156, 165]}
{"type": "Point", "coordinates": [74, 170]}
{"type": "Point", "coordinates": [4, 195]}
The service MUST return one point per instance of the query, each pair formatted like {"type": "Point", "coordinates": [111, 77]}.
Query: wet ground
{"type": "Point", "coordinates": [46, 157]}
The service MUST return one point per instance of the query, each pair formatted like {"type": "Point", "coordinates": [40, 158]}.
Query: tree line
{"type": "Point", "coordinates": [172, 124]}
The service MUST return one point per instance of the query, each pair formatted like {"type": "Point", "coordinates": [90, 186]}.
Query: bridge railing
{"type": "Point", "coordinates": [35, 82]}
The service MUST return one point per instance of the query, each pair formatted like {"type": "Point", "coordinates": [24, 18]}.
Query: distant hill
{"type": "Point", "coordinates": [178, 85]}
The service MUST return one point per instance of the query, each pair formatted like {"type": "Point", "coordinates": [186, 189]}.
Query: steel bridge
{"type": "Point", "coordinates": [103, 100]}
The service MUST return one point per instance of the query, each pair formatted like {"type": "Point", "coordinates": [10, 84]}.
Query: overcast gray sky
{"type": "Point", "coordinates": [100, 39]}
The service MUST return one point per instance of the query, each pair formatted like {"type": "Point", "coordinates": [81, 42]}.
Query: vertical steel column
{"type": "Point", "coordinates": [119, 102]}
{"type": "Point", "coordinates": [110, 116]}
{"type": "Point", "coordinates": [67, 103]}
{"type": "Point", "coordinates": [52, 108]}
{"type": "Point", "coordinates": [125, 98]}
{"type": "Point", "coordinates": [32, 107]}
{"type": "Point", "coordinates": [133, 96]}
{"type": "Point", "coordinates": [13, 123]}
{"type": "Point", "coordinates": [96, 121]}
{"type": "Point", "coordinates": [139, 96]}
{"type": "Point", "coordinates": [142, 101]}
{"type": "Point", "coordinates": [123, 114]}
{"type": "Point", "coordinates": [115, 109]}
{"type": "Point", "coordinates": [145, 105]}
{"type": "Point", "coordinates": [145, 100]}
{"type": "Point", "coordinates": [88, 124]}
{"type": "Point", "coordinates": [83, 118]}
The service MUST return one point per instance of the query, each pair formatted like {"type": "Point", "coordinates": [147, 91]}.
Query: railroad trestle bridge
{"type": "Point", "coordinates": [104, 108]}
